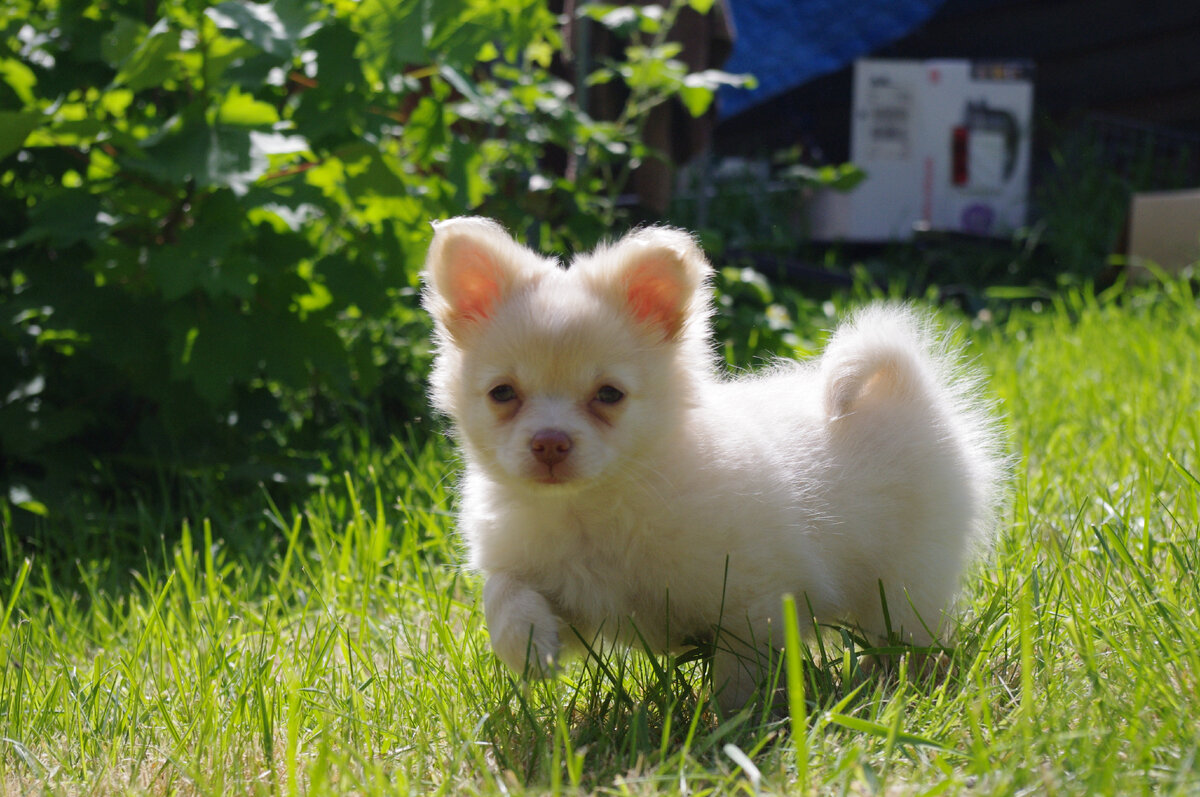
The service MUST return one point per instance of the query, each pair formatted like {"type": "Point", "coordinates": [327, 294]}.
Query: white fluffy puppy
{"type": "Point", "coordinates": [619, 487]}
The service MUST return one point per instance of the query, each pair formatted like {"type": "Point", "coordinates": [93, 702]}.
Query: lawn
{"type": "Point", "coordinates": [350, 655]}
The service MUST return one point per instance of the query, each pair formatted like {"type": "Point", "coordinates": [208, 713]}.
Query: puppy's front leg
{"type": "Point", "coordinates": [521, 624]}
{"type": "Point", "coordinates": [737, 675]}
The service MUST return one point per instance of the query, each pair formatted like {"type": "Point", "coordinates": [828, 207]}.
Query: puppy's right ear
{"type": "Point", "coordinates": [472, 267]}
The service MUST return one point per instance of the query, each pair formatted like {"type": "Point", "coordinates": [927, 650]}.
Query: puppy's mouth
{"type": "Point", "coordinates": [551, 474]}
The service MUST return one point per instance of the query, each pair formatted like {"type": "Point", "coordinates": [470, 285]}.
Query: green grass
{"type": "Point", "coordinates": [352, 656]}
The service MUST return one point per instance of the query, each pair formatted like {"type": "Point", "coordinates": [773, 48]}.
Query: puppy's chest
{"type": "Point", "coordinates": [603, 577]}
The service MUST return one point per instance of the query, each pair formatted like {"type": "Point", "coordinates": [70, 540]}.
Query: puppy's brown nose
{"type": "Point", "coordinates": [550, 446]}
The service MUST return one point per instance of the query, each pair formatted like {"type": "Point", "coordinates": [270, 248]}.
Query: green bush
{"type": "Point", "coordinates": [212, 216]}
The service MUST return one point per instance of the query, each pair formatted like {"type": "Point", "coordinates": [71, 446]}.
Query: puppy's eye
{"type": "Point", "coordinates": [502, 394]}
{"type": "Point", "coordinates": [609, 395]}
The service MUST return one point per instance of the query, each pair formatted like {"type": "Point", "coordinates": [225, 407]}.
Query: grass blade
{"type": "Point", "coordinates": [797, 709]}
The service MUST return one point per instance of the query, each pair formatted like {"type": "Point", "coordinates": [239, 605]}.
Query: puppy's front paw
{"type": "Point", "coordinates": [522, 626]}
{"type": "Point", "coordinates": [736, 677]}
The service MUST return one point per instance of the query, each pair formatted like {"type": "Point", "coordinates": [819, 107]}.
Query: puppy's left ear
{"type": "Point", "coordinates": [659, 275]}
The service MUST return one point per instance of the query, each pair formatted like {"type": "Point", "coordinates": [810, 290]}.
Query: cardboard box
{"type": "Point", "coordinates": [945, 145]}
{"type": "Point", "coordinates": [1164, 229]}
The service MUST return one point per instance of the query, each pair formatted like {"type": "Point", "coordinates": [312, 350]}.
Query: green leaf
{"type": "Point", "coordinates": [840, 177]}
{"type": "Point", "coordinates": [353, 283]}
{"type": "Point", "coordinates": [426, 127]}
{"type": "Point", "coordinates": [64, 218]}
{"type": "Point", "coordinates": [601, 76]}
{"type": "Point", "coordinates": [696, 99]}
{"type": "Point", "coordinates": [458, 30]}
{"type": "Point", "coordinates": [15, 127]}
{"type": "Point", "coordinates": [392, 31]}
{"type": "Point", "coordinates": [20, 79]}
{"type": "Point", "coordinates": [283, 218]}
{"type": "Point", "coordinates": [275, 27]}
{"type": "Point", "coordinates": [540, 53]}
{"type": "Point", "coordinates": [334, 46]}
{"type": "Point", "coordinates": [116, 102]}
{"type": "Point", "coordinates": [467, 175]}
{"type": "Point", "coordinates": [652, 18]}
{"type": "Point", "coordinates": [204, 258]}
{"type": "Point", "coordinates": [224, 351]}
{"type": "Point", "coordinates": [624, 20]}
{"type": "Point", "coordinates": [221, 56]}
{"type": "Point", "coordinates": [600, 11]}
{"type": "Point", "coordinates": [153, 62]}
{"type": "Point", "coordinates": [20, 496]}
{"type": "Point", "coordinates": [317, 299]}
{"type": "Point", "coordinates": [368, 173]}
{"type": "Point", "coordinates": [120, 40]}
{"type": "Point", "coordinates": [243, 110]}
{"type": "Point", "coordinates": [211, 155]}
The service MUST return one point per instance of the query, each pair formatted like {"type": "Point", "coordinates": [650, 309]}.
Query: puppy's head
{"type": "Point", "coordinates": [558, 379]}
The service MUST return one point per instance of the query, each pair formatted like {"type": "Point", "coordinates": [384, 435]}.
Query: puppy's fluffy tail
{"type": "Point", "coordinates": [892, 356]}
{"type": "Point", "coordinates": [885, 352]}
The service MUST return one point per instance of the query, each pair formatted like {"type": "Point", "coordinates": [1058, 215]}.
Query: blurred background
{"type": "Point", "coordinates": [213, 215]}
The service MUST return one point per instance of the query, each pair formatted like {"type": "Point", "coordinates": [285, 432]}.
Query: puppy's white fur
{"type": "Point", "coordinates": [686, 501]}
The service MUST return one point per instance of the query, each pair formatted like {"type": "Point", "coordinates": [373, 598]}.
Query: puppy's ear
{"type": "Point", "coordinates": [472, 267]}
{"type": "Point", "coordinates": [659, 275]}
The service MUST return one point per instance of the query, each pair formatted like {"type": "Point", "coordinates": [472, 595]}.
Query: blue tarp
{"type": "Point", "coordinates": [786, 43]}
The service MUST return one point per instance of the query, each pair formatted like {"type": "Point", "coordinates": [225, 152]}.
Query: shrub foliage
{"type": "Point", "coordinates": [212, 215]}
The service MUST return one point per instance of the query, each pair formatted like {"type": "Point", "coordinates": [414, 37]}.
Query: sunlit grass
{"type": "Point", "coordinates": [352, 658]}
